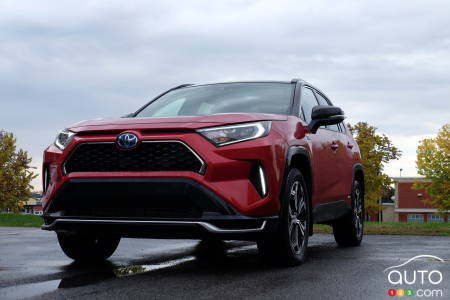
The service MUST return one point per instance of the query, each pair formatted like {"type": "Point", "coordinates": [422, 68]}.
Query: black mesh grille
{"type": "Point", "coordinates": [148, 156]}
{"type": "Point", "coordinates": [140, 212]}
{"type": "Point", "coordinates": [137, 197]}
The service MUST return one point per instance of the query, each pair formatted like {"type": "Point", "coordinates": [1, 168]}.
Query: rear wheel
{"type": "Point", "coordinates": [288, 245]}
{"type": "Point", "coordinates": [348, 231]}
{"type": "Point", "coordinates": [88, 247]}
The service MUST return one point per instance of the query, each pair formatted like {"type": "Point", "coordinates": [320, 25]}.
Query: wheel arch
{"type": "Point", "coordinates": [299, 157]}
{"type": "Point", "coordinates": [358, 174]}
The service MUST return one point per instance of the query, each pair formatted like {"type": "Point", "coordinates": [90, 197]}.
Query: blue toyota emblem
{"type": "Point", "coordinates": [127, 140]}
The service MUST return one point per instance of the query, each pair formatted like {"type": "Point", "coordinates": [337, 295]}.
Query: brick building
{"type": "Point", "coordinates": [409, 204]}
{"type": "Point", "coordinates": [34, 204]}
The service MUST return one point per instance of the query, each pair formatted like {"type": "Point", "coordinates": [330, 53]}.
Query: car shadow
{"type": "Point", "coordinates": [79, 274]}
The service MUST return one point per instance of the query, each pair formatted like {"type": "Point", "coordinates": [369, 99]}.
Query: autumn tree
{"type": "Point", "coordinates": [433, 162]}
{"type": "Point", "coordinates": [15, 173]}
{"type": "Point", "coordinates": [376, 150]}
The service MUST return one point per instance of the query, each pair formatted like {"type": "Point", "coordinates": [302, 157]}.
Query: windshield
{"type": "Point", "coordinates": [255, 97]}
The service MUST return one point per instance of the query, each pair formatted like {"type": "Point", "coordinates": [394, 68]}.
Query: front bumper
{"type": "Point", "coordinates": [149, 207]}
{"type": "Point", "coordinates": [221, 200]}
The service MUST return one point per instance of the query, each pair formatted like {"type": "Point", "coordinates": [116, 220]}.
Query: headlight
{"type": "Point", "coordinates": [63, 138]}
{"type": "Point", "coordinates": [225, 135]}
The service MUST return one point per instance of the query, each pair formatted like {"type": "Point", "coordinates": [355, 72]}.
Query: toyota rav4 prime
{"type": "Point", "coordinates": [259, 161]}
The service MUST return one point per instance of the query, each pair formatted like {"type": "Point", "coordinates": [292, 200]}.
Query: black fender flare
{"type": "Point", "coordinates": [358, 167]}
{"type": "Point", "coordinates": [293, 152]}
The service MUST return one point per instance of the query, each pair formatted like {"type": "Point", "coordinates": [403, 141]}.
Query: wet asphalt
{"type": "Point", "coordinates": [33, 266]}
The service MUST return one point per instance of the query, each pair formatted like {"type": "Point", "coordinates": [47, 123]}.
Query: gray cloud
{"type": "Point", "coordinates": [384, 62]}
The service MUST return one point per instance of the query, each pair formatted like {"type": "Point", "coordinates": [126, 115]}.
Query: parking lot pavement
{"type": "Point", "coordinates": [32, 265]}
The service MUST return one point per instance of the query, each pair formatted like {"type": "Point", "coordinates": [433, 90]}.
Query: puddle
{"type": "Point", "coordinates": [28, 290]}
{"type": "Point", "coordinates": [138, 269]}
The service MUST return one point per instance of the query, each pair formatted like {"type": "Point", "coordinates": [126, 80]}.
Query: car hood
{"type": "Point", "coordinates": [182, 122]}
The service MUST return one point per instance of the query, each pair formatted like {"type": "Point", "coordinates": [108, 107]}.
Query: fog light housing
{"type": "Point", "coordinates": [258, 179]}
{"type": "Point", "coordinates": [45, 178]}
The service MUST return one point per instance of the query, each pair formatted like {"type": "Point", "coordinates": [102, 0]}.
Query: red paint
{"type": "Point", "coordinates": [228, 167]}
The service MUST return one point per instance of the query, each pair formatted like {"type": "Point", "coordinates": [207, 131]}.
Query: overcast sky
{"type": "Point", "coordinates": [384, 62]}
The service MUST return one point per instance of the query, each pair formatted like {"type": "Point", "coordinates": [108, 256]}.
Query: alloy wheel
{"type": "Point", "coordinates": [358, 211]}
{"type": "Point", "coordinates": [297, 217]}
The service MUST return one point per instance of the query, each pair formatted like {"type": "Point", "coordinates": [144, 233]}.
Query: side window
{"type": "Point", "coordinates": [308, 101]}
{"type": "Point", "coordinates": [324, 101]}
{"type": "Point", "coordinates": [334, 127]}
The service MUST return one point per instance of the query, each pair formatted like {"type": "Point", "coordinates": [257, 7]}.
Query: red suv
{"type": "Point", "coordinates": [258, 161]}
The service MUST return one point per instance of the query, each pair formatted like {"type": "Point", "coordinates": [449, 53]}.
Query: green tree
{"type": "Point", "coordinates": [15, 173]}
{"type": "Point", "coordinates": [376, 149]}
{"type": "Point", "coordinates": [433, 162]}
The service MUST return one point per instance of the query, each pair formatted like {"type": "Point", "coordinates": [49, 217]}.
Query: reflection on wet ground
{"type": "Point", "coordinates": [206, 254]}
{"type": "Point", "coordinates": [210, 253]}
{"type": "Point", "coordinates": [32, 265]}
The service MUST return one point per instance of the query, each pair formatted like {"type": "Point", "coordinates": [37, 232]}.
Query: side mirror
{"type": "Point", "coordinates": [130, 115]}
{"type": "Point", "coordinates": [325, 115]}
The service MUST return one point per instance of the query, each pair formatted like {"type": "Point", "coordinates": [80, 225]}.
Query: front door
{"type": "Point", "coordinates": [325, 153]}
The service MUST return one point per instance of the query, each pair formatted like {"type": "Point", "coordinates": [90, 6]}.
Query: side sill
{"type": "Point", "coordinates": [328, 212]}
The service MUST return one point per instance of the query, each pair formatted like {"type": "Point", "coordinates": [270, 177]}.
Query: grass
{"type": "Point", "coordinates": [396, 228]}
{"type": "Point", "coordinates": [9, 219]}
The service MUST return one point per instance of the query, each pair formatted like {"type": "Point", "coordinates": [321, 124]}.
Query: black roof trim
{"type": "Point", "coordinates": [231, 82]}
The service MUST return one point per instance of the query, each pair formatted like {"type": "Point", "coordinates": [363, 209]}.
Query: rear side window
{"type": "Point", "coordinates": [308, 101]}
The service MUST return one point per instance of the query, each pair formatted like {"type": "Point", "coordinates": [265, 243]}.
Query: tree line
{"type": "Point", "coordinates": [16, 174]}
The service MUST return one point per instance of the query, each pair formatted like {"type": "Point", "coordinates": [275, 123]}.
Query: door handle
{"type": "Point", "coordinates": [334, 146]}
{"type": "Point", "coordinates": [349, 145]}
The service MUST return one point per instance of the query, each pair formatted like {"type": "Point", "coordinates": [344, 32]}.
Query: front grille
{"type": "Point", "coordinates": [138, 212]}
{"type": "Point", "coordinates": [137, 198]}
{"type": "Point", "coordinates": [148, 156]}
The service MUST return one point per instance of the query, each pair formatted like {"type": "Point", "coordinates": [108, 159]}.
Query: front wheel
{"type": "Point", "coordinates": [88, 247]}
{"type": "Point", "coordinates": [348, 231]}
{"type": "Point", "coordinates": [288, 245]}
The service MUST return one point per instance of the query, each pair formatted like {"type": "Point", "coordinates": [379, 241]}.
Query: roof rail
{"type": "Point", "coordinates": [295, 80]}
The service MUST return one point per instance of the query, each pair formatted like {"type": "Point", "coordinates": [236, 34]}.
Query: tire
{"type": "Point", "coordinates": [348, 231]}
{"type": "Point", "coordinates": [88, 247]}
{"type": "Point", "coordinates": [288, 245]}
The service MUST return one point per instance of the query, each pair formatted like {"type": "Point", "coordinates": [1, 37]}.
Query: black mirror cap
{"type": "Point", "coordinates": [325, 111]}
{"type": "Point", "coordinates": [325, 115]}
